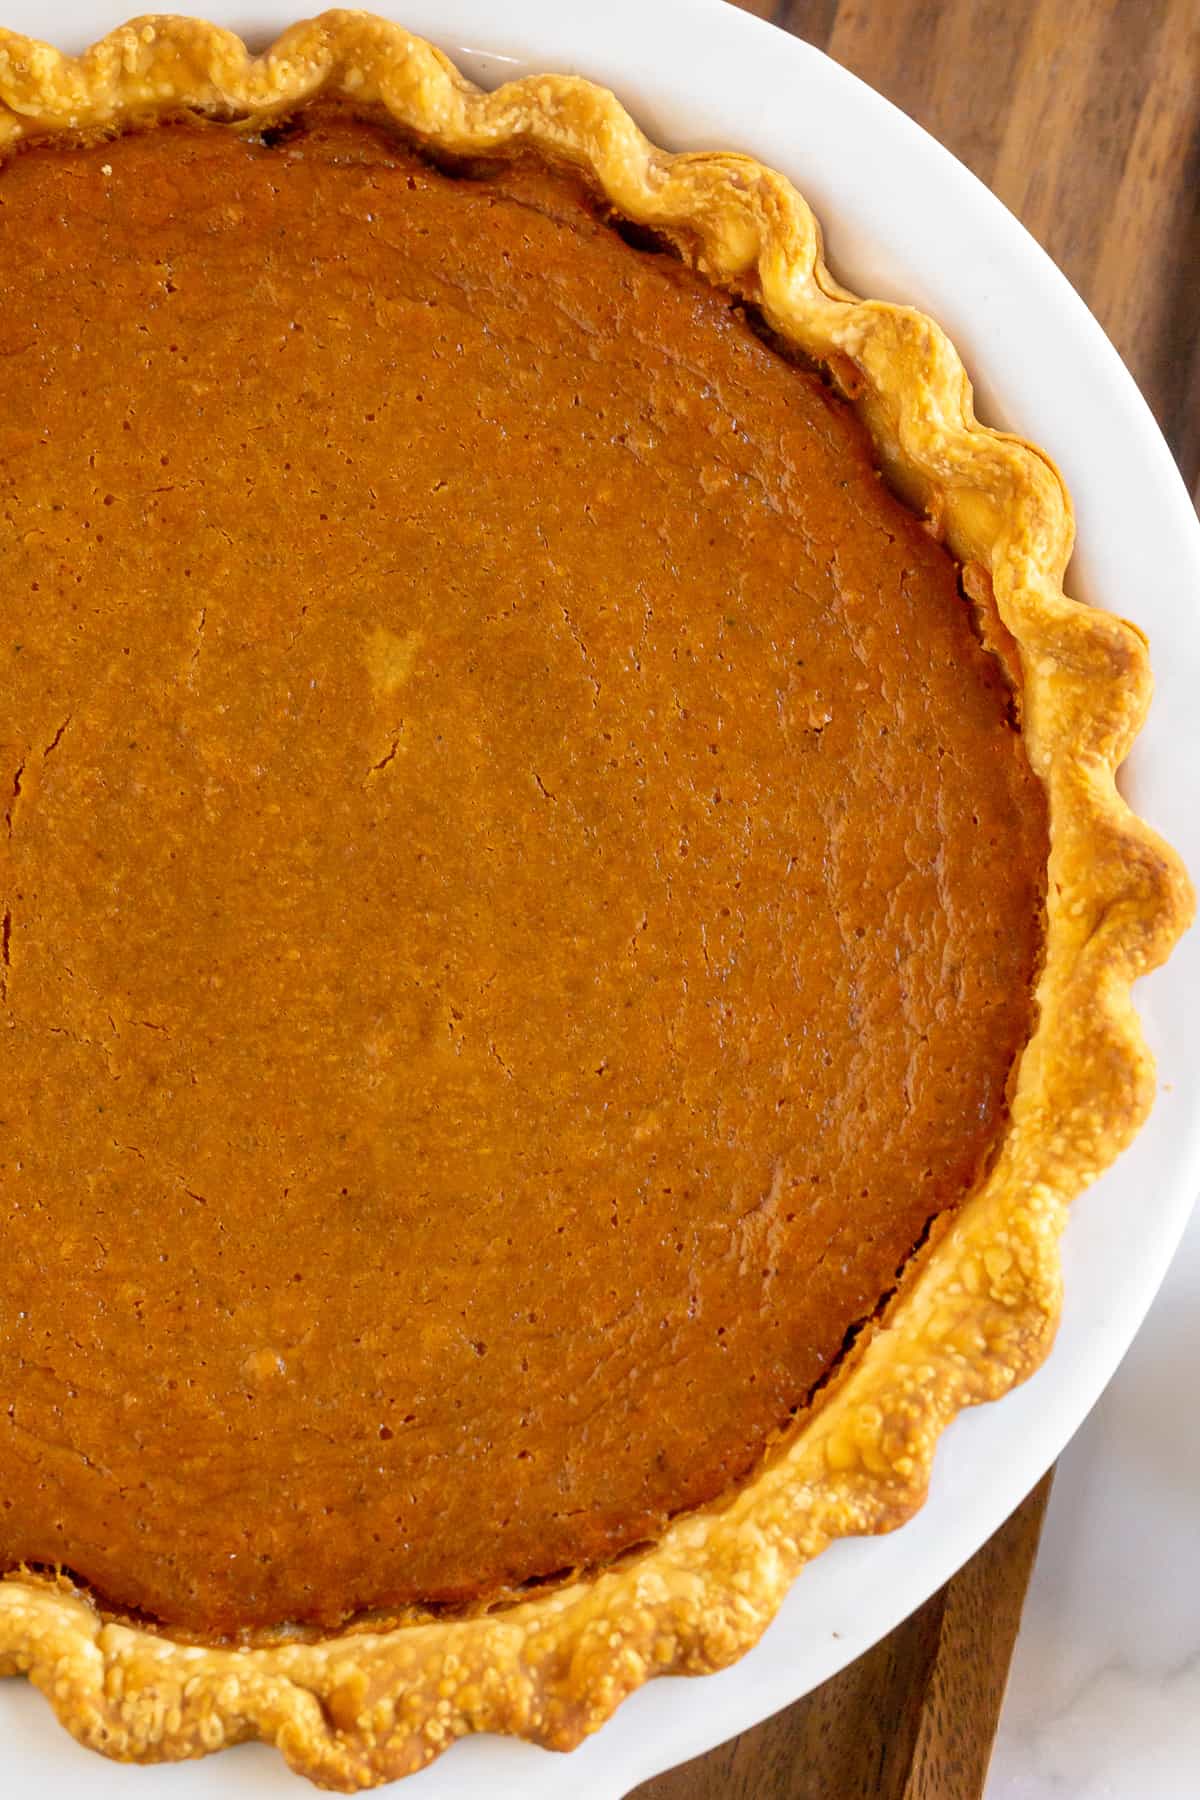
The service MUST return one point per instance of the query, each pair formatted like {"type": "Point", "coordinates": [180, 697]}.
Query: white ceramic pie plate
{"type": "Point", "coordinates": [903, 220]}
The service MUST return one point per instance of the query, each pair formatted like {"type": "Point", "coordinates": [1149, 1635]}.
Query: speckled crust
{"type": "Point", "coordinates": [980, 1314]}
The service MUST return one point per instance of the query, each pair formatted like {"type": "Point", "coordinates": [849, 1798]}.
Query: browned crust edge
{"type": "Point", "coordinates": [365, 1708]}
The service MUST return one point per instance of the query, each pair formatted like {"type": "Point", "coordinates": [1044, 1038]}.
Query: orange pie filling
{"type": "Point", "coordinates": [521, 890]}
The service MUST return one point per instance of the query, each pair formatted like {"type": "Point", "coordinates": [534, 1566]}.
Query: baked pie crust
{"type": "Point", "coordinates": [980, 1313]}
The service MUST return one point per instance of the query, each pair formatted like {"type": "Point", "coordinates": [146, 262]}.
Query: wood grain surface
{"type": "Point", "coordinates": [1084, 117]}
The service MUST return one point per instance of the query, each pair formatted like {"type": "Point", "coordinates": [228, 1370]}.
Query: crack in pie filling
{"type": "Point", "coordinates": [528, 877]}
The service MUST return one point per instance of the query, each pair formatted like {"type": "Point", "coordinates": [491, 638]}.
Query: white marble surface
{"type": "Point", "coordinates": [1104, 1696]}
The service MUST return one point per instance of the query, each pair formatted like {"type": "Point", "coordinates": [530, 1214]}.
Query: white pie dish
{"type": "Point", "coordinates": [907, 222]}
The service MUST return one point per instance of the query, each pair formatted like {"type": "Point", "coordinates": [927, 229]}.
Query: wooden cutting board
{"type": "Point", "coordinates": [1084, 117]}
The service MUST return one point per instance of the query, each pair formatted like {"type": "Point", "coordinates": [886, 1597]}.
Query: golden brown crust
{"type": "Point", "coordinates": [367, 1707]}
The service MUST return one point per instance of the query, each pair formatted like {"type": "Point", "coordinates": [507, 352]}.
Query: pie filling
{"type": "Point", "coordinates": [520, 888]}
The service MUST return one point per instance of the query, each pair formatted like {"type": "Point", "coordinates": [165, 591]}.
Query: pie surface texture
{"type": "Point", "coordinates": [496, 1039]}
{"type": "Point", "coordinates": [532, 885]}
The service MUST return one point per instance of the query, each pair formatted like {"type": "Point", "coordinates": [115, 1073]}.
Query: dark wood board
{"type": "Point", "coordinates": [1084, 117]}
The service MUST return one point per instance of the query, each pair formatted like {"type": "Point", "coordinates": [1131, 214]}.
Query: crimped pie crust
{"type": "Point", "coordinates": [980, 1314]}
